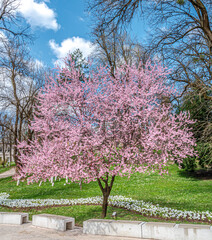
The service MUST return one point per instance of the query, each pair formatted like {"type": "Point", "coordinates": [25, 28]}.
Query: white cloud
{"type": "Point", "coordinates": [38, 14]}
{"type": "Point", "coordinates": [71, 44]}
{"type": "Point", "coordinates": [38, 63]}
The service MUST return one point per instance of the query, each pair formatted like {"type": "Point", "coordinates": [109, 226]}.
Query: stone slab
{"type": "Point", "coordinates": [148, 230]}
{"type": "Point", "coordinates": [158, 230]}
{"type": "Point", "coordinates": [172, 231]}
{"type": "Point", "coordinates": [13, 218]}
{"type": "Point", "coordinates": [60, 223]}
{"type": "Point", "coordinates": [113, 228]}
{"type": "Point", "coordinates": [193, 232]}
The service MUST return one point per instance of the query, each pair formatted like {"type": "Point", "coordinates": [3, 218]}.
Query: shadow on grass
{"type": "Point", "coordinates": [202, 174]}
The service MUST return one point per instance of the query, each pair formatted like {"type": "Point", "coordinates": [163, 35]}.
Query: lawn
{"type": "Point", "coordinates": [84, 212]}
{"type": "Point", "coordinates": [4, 169]}
{"type": "Point", "coordinates": [177, 190]}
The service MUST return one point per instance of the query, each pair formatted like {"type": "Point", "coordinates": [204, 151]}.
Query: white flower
{"type": "Point", "coordinates": [148, 209]}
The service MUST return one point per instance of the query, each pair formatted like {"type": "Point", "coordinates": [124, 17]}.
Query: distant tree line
{"type": "Point", "coordinates": [20, 79]}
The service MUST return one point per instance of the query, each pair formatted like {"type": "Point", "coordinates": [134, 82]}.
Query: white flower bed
{"type": "Point", "coordinates": [4, 196]}
{"type": "Point", "coordinates": [148, 209]}
{"type": "Point", "coordinates": [152, 210]}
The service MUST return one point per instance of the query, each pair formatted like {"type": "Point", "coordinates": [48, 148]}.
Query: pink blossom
{"type": "Point", "coordinates": [104, 125]}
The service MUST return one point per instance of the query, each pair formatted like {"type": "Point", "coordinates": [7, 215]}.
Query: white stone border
{"type": "Point", "coordinates": [13, 218]}
{"type": "Point", "coordinates": [60, 223]}
{"type": "Point", "coordinates": [152, 230]}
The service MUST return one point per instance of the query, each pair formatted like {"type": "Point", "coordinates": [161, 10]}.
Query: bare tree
{"type": "Point", "coordinates": [2, 144]}
{"type": "Point", "coordinates": [114, 48]}
{"type": "Point", "coordinates": [120, 12]}
{"type": "Point", "coordinates": [181, 37]}
{"type": "Point", "coordinates": [20, 82]}
{"type": "Point", "coordinates": [10, 21]}
{"type": "Point", "coordinates": [184, 43]}
{"type": "Point", "coordinates": [6, 140]}
{"type": "Point", "coordinates": [117, 12]}
{"type": "Point", "coordinates": [185, 46]}
{"type": "Point", "coordinates": [181, 30]}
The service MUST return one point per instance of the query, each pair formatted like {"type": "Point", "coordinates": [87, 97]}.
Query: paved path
{"type": "Point", "coordinates": [8, 173]}
{"type": "Point", "coordinates": [29, 232]}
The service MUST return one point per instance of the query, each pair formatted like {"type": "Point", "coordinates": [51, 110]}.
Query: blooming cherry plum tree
{"type": "Point", "coordinates": [105, 126]}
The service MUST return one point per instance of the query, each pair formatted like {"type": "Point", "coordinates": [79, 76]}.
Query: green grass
{"type": "Point", "coordinates": [83, 212]}
{"type": "Point", "coordinates": [177, 190]}
{"type": "Point", "coordinates": [4, 169]}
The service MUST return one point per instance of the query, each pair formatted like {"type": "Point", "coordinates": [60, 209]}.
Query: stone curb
{"type": "Point", "coordinates": [120, 228]}
{"type": "Point", "coordinates": [152, 230]}
{"type": "Point", "coordinates": [56, 222]}
{"type": "Point", "coordinates": [13, 218]}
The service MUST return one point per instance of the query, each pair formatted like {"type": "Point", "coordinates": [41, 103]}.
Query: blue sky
{"type": "Point", "coordinates": [61, 26]}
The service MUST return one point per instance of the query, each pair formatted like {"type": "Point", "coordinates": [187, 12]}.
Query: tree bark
{"type": "Point", "coordinates": [3, 152]}
{"type": "Point", "coordinates": [105, 191]}
{"type": "Point", "coordinates": [17, 105]}
{"type": "Point", "coordinates": [11, 145]}
{"type": "Point", "coordinates": [4, 146]}
{"type": "Point", "coordinates": [105, 204]}
{"type": "Point", "coordinates": [15, 151]}
{"type": "Point", "coordinates": [204, 20]}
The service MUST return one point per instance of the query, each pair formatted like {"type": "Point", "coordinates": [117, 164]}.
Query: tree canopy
{"type": "Point", "coordinates": [105, 126]}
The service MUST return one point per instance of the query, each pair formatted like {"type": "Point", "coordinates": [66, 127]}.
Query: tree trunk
{"type": "Point", "coordinates": [17, 118]}
{"type": "Point", "coordinates": [20, 127]}
{"type": "Point", "coordinates": [15, 157]}
{"type": "Point", "coordinates": [15, 149]}
{"type": "Point", "coordinates": [105, 204]}
{"type": "Point", "coordinates": [3, 153]}
{"type": "Point", "coordinates": [105, 191]}
{"type": "Point", "coordinates": [11, 145]}
{"type": "Point", "coordinates": [3, 147]}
